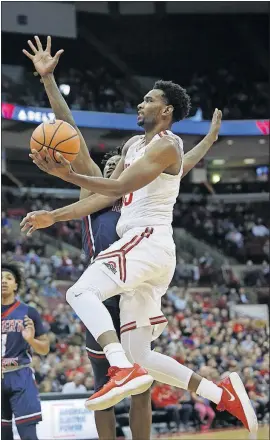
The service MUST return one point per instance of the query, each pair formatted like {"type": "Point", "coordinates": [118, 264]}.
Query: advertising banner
{"type": "Point", "coordinates": [120, 121]}
{"type": "Point", "coordinates": [65, 419]}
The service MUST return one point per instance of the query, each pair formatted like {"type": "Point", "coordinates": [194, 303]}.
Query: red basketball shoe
{"type": "Point", "coordinates": [235, 400]}
{"type": "Point", "coordinates": [123, 382]}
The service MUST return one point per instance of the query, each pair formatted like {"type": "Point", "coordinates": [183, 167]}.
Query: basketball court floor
{"type": "Point", "coordinates": [226, 434]}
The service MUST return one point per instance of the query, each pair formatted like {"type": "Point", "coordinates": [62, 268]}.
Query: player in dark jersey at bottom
{"type": "Point", "coordinates": [22, 333]}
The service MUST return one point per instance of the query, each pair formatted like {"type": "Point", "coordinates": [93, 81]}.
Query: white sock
{"type": "Point", "coordinates": [209, 390]}
{"type": "Point", "coordinates": [115, 354]}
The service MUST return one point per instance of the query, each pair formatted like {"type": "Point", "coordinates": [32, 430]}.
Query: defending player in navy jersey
{"type": "Point", "coordinates": [22, 333]}
{"type": "Point", "coordinates": [98, 231]}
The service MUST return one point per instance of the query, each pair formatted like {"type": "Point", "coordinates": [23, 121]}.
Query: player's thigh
{"type": "Point", "coordinates": [140, 255]}
{"type": "Point", "coordinates": [141, 306]}
{"type": "Point", "coordinates": [94, 281]}
{"type": "Point", "coordinates": [25, 402]}
{"type": "Point", "coordinates": [6, 411]}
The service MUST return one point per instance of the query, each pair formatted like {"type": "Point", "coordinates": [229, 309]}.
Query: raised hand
{"type": "Point", "coordinates": [36, 220]}
{"type": "Point", "coordinates": [216, 123]}
{"type": "Point", "coordinates": [61, 168]}
{"type": "Point", "coordinates": [43, 61]}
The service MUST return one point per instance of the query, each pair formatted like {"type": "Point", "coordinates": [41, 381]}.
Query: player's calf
{"type": "Point", "coordinates": [27, 431]}
{"type": "Point", "coordinates": [6, 431]}
{"type": "Point", "coordinates": [141, 409]}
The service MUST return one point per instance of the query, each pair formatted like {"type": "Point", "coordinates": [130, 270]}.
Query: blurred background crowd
{"type": "Point", "coordinates": [112, 83]}
{"type": "Point", "coordinates": [203, 331]}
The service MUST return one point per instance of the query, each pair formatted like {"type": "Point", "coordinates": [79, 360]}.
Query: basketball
{"type": "Point", "coordinates": [56, 136]}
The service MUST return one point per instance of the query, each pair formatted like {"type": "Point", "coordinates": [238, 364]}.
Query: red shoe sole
{"type": "Point", "coordinates": [135, 386]}
{"type": "Point", "coordinates": [250, 414]}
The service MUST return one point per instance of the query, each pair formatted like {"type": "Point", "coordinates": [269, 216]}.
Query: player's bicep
{"type": "Point", "coordinates": [154, 162]}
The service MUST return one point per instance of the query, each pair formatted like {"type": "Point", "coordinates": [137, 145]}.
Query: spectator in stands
{"type": "Point", "coordinates": [168, 398]}
{"type": "Point", "coordinates": [76, 386]}
{"type": "Point", "coordinates": [206, 413]}
{"type": "Point", "coordinates": [5, 222]}
{"type": "Point", "coordinates": [89, 383]}
{"type": "Point", "coordinates": [259, 229]}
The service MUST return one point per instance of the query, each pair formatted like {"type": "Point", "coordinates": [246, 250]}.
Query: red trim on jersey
{"type": "Point", "coordinates": [6, 423]}
{"type": "Point", "coordinates": [96, 356]}
{"type": "Point", "coordinates": [88, 235]}
{"type": "Point", "coordinates": [10, 310]}
{"type": "Point", "coordinates": [132, 325]}
{"type": "Point", "coordinates": [127, 325]}
{"type": "Point", "coordinates": [28, 419]}
{"type": "Point", "coordinates": [121, 253]}
{"type": "Point", "coordinates": [157, 317]}
{"type": "Point", "coordinates": [158, 321]}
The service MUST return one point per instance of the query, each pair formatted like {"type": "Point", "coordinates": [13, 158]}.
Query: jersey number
{"type": "Point", "coordinates": [127, 199]}
{"type": "Point", "coordinates": [4, 343]}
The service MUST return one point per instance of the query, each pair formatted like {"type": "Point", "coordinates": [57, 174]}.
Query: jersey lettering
{"type": "Point", "coordinates": [127, 199]}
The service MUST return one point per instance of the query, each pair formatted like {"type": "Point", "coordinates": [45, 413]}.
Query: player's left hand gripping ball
{"type": "Point", "coordinates": [61, 169]}
{"type": "Point", "coordinates": [29, 329]}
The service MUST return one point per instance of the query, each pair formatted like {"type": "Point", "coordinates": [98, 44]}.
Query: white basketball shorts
{"type": "Point", "coordinates": [141, 264]}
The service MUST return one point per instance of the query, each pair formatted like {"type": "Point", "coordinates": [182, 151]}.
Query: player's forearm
{"type": "Point", "coordinates": [197, 153]}
{"type": "Point", "coordinates": [58, 104]}
{"type": "Point", "coordinates": [83, 162]}
{"type": "Point", "coordinates": [106, 187]}
{"type": "Point", "coordinates": [40, 347]}
{"type": "Point", "coordinates": [84, 207]}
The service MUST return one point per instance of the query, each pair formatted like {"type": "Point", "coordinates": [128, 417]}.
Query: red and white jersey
{"type": "Point", "coordinates": [153, 204]}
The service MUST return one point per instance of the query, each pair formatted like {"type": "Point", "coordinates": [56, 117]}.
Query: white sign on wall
{"type": "Point", "coordinates": [64, 419]}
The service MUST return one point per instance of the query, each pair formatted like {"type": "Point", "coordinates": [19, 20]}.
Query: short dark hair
{"type": "Point", "coordinates": [16, 270]}
{"type": "Point", "coordinates": [116, 152]}
{"type": "Point", "coordinates": [176, 96]}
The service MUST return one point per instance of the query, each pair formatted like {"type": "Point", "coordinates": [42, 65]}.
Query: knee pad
{"type": "Point", "coordinates": [77, 290]}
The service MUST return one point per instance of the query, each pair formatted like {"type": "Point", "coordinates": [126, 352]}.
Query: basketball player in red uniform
{"type": "Point", "coordinates": [140, 265]}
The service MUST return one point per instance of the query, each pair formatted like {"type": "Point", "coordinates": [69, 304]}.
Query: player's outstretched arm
{"type": "Point", "coordinates": [161, 155]}
{"type": "Point", "coordinates": [44, 219]}
{"type": "Point", "coordinates": [199, 151]}
{"type": "Point", "coordinates": [45, 64]}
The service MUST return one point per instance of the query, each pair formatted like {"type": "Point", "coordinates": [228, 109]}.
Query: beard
{"type": "Point", "coordinates": [140, 122]}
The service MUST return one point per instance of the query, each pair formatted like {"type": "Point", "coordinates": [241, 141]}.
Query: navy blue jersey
{"type": "Point", "coordinates": [99, 230]}
{"type": "Point", "coordinates": [15, 350]}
